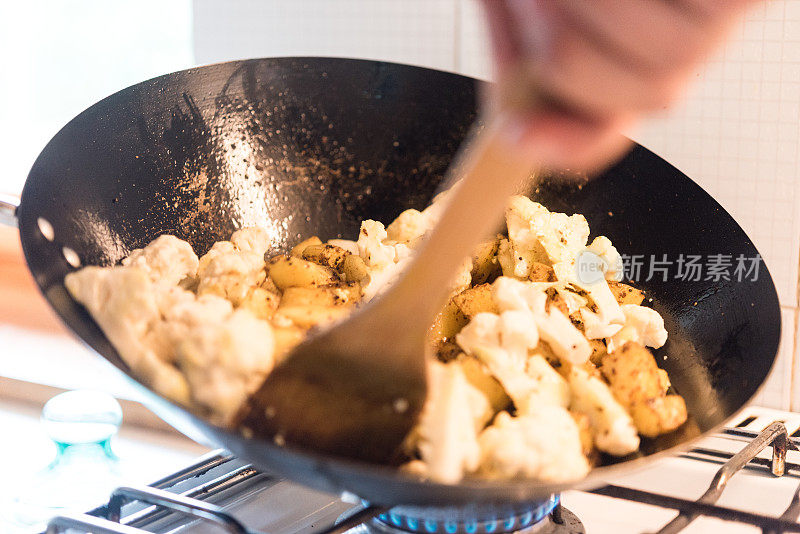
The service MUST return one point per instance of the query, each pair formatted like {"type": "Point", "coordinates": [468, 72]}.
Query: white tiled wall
{"type": "Point", "coordinates": [737, 133]}
{"type": "Point", "coordinates": [421, 32]}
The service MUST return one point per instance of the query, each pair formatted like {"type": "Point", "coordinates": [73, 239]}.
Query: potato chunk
{"type": "Point", "coordinates": [324, 296]}
{"type": "Point", "coordinates": [585, 431]}
{"type": "Point", "coordinates": [541, 273]}
{"type": "Point", "coordinates": [625, 294]}
{"type": "Point", "coordinates": [598, 351]}
{"type": "Point", "coordinates": [659, 415]}
{"type": "Point", "coordinates": [635, 380]}
{"type": "Point", "coordinates": [354, 269]}
{"type": "Point", "coordinates": [328, 255]}
{"type": "Point", "coordinates": [475, 300]}
{"type": "Point", "coordinates": [297, 272]}
{"type": "Point", "coordinates": [260, 302]}
{"type": "Point", "coordinates": [310, 316]}
{"type": "Point", "coordinates": [286, 337]}
{"type": "Point", "coordinates": [298, 249]}
{"type": "Point", "coordinates": [479, 376]}
{"type": "Point", "coordinates": [448, 323]}
{"type": "Point", "coordinates": [485, 266]}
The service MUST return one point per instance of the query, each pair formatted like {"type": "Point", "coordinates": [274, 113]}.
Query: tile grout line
{"type": "Point", "coordinates": [794, 404]}
{"type": "Point", "coordinates": [794, 378]}
{"type": "Point", "coordinates": [457, 60]}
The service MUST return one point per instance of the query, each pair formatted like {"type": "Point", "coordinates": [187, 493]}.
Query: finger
{"type": "Point", "coordinates": [710, 10]}
{"type": "Point", "coordinates": [649, 35]}
{"type": "Point", "coordinates": [500, 21]}
{"type": "Point", "coordinates": [598, 84]}
{"type": "Point", "coordinates": [559, 141]}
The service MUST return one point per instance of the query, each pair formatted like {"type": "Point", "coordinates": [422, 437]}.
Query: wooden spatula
{"type": "Point", "coordinates": [357, 389]}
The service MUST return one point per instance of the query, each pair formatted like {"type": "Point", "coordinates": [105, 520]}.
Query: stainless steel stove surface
{"type": "Point", "coordinates": [740, 480]}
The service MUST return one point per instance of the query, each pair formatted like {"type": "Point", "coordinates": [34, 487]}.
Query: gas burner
{"type": "Point", "coordinates": [224, 490]}
{"type": "Point", "coordinates": [537, 517]}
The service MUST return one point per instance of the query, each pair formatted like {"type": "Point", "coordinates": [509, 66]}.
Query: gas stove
{"type": "Point", "coordinates": [745, 478]}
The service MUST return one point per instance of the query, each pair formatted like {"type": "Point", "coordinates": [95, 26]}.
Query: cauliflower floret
{"type": "Point", "coordinates": [411, 225]}
{"type": "Point", "coordinates": [230, 273]}
{"type": "Point", "coordinates": [573, 300]}
{"type": "Point", "coordinates": [613, 430]}
{"type": "Point", "coordinates": [167, 260]}
{"type": "Point", "coordinates": [254, 239]}
{"type": "Point", "coordinates": [217, 249]}
{"type": "Point", "coordinates": [226, 361]}
{"type": "Point", "coordinates": [123, 302]}
{"type": "Point", "coordinates": [502, 342]}
{"type": "Point", "coordinates": [371, 247]}
{"type": "Point", "coordinates": [609, 318]}
{"type": "Point", "coordinates": [513, 332]}
{"type": "Point", "coordinates": [543, 445]}
{"type": "Point", "coordinates": [346, 244]}
{"type": "Point", "coordinates": [551, 388]}
{"type": "Point", "coordinates": [121, 299]}
{"type": "Point", "coordinates": [553, 326]}
{"type": "Point", "coordinates": [563, 237]}
{"type": "Point", "coordinates": [384, 261]}
{"type": "Point", "coordinates": [448, 438]}
{"type": "Point", "coordinates": [181, 311]}
{"type": "Point", "coordinates": [612, 261]}
{"type": "Point", "coordinates": [564, 339]}
{"type": "Point", "coordinates": [408, 226]}
{"type": "Point", "coordinates": [531, 226]}
{"type": "Point", "coordinates": [382, 277]}
{"type": "Point", "coordinates": [643, 325]}
{"type": "Point", "coordinates": [387, 259]}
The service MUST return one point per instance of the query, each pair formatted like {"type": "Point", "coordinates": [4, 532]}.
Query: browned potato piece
{"type": "Point", "coordinates": [310, 316]}
{"type": "Point", "coordinates": [634, 378]}
{"type": "Point", "coordinates": [189, 283]}
{"type": "Point", "coordinates": [480, 378]}
{"type": "Point", "coordinates": [475, 300]}
{"type": "Point", "coordinates": [260, 302]}
{"type": "Point", "coordinates": [659, 415]}
{"type": "Point", "coordinates": [543, 349]}
{"type": "Point", "coordinates": [353, 268]}
{"type": "Point", "coordinates": [554, 299]}
{"type": "Point", "coordinates": [585, 431]}
{"type": "Point", "coordinates": [541, 273]}
{"type": "Point", "coordinates": [328, 255]}
{"type": "Point", "coordinates": [446, 350]}
{"type": "Point", "coordinates": [270, 286]}
{"type": "Point", "coordinates": [484, 265]}
{"type": "Point", "coordinates": [293, 272]}
{"type": "Point", "coordinates": [324, 296]}
{"type": "Point", "coordinates": [298, 249]}
{"type": "Point", "coordinates": [448, 323]}
{"type": "Point", "coordinates": [632, 373]}
{"type": "Point", "coordinates": [663, 379]}
{"type": "Point", "coordinates": [598, 351]}
{"type": "Point", "coordinates": [286, 338]}
{"type": "Point", "coordinates": [625, 294]}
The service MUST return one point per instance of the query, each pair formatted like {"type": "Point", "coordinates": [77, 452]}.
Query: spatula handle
{"type": "Point", "coordinates": [488, 172]}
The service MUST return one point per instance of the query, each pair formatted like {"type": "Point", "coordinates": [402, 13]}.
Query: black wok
{"type": "Point", "coordinates": [311, 146]}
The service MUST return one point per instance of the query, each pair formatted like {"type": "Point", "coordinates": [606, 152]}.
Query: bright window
{"type": "Point", "coordinates": [57, 58]}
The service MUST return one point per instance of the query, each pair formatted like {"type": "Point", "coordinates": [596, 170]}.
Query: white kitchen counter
{"type": "Point", "coordinates": [145, 455]}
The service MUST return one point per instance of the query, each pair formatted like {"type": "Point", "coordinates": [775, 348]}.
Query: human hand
{"type": "Point", "coordinates": [577, 72]}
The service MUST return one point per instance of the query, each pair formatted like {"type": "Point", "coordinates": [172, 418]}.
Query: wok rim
{"type": "Point", "coordinates": [521, 489]}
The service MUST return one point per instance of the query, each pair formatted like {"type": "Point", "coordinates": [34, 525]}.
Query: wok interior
{"type": "Point", "coordinates": [312, 146]}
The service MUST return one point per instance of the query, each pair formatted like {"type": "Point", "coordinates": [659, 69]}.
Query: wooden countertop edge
{"type": "Point", "coordinates": [134, 413]}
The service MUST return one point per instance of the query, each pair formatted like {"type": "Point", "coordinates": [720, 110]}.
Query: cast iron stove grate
{"type": "Point", "coordinates": [200, 494]}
